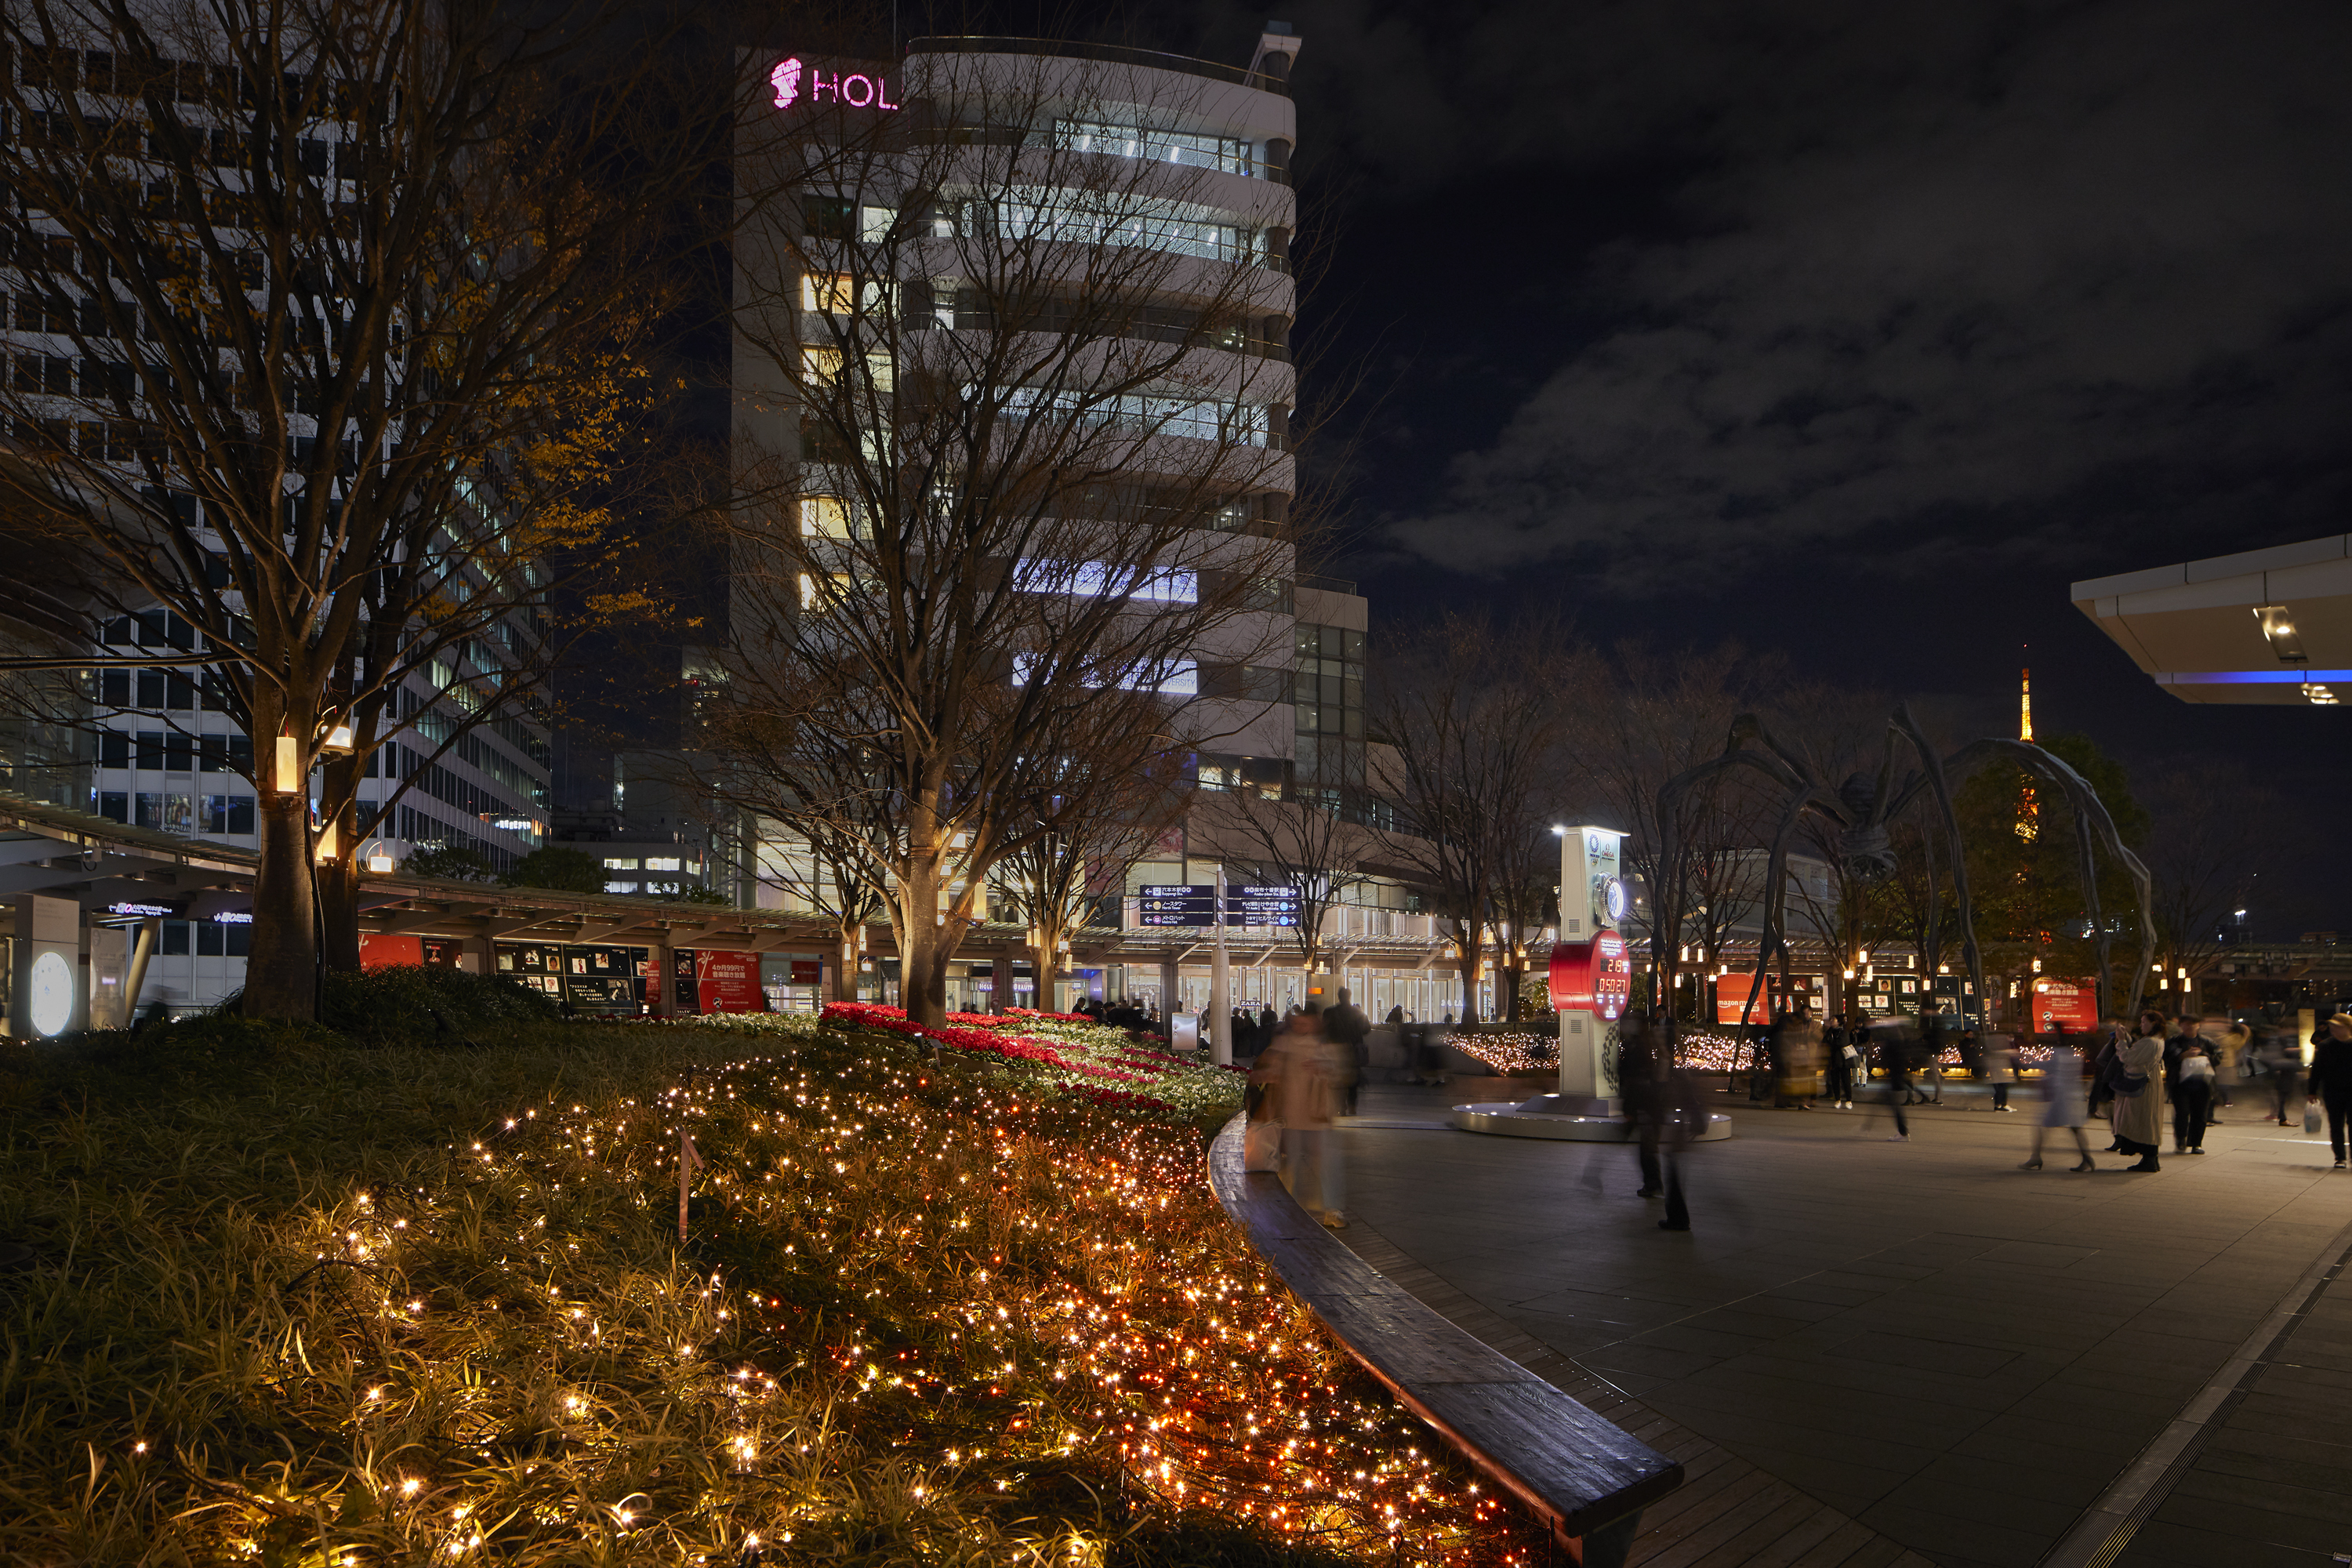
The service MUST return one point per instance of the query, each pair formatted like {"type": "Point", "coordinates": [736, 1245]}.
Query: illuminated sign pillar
{"type": "Point", "coordinates": [1591, 974]}
{"type": "Point", "coordinates": [49, 998]}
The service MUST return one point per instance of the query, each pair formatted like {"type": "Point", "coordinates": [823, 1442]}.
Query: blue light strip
{"type": "Point", "coordinates": [2257, 678]}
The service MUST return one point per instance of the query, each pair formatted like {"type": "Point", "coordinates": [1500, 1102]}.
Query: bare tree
{"type": "Point", "coordinates": [1315, 842]}
{"type": "Point", "coordinates": [1654, 717]}
{"type": "Point", "coordinates": [1010, 467]}
{"type": "Point", "coordinates": [1472, 724]}
{"type": "Point", "coordinates": [343, 302]}
{"type": "Point", "coordinates": [1105, 815]}
{"type": "Point", "coordinates": [2213, 827]}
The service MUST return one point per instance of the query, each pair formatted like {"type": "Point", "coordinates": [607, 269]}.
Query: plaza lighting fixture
{"type": "Point", "coordinates": [339, 738]}
{"type": "Point", "coordinates": [327, 841]}
{"type": "Point", "coordinates": [379, 858]}
{"type": "Point", "coordinates": [2278, 630]}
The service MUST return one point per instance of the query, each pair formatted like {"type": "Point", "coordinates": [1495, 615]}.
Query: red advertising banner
{"type": "Point", "coordinates": [808, 972]}
{"type": "Point", "coordinates": [1731, 996]}
{"type": "Point", "coordinates": [383, 950]}
{"type": "Point", "coordinates": [1593, 976]}
{"type": "Point", "coordinates": [2073, 1002]}
{"type": "Point", "coordinates": [728, 982]}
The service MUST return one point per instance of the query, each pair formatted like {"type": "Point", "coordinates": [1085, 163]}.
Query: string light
{"type": "Point", "coordinates": [983, 1252]}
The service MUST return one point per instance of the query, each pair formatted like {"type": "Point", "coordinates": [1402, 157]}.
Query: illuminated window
{"type": "Point", "coordinates": [874, 224]}
{"type": "Point", "coordinates": [827, 293]}
{"type": "Point", "coordinates": [821, 366]}
{"type": "Point", "coordinates": [817, 597]}
{"type": "Point", "coordinates": [613, 865]}
{"type": "Point", "coordinates": [620, 887]}
{"type": "Point", "coordinates": [825, 517]}
{"type": "Point", "coordinates": [656, 863]}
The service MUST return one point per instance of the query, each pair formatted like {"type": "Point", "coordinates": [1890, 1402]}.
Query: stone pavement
{"type": "Point", "coordinates": [1957, 1356]}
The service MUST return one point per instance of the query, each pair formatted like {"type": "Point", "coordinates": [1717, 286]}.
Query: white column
{"type": "Point", "coordinates": [1221, 987]}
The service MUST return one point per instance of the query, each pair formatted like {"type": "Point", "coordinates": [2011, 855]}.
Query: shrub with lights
{"type": "Point", "coordinates": [946, 1296]}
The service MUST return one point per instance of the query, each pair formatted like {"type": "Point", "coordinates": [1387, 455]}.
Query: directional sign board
{"type": "Point", "coordinates": [1277, 906]}
{"type": "Point", "coordinates": [1177, 904]}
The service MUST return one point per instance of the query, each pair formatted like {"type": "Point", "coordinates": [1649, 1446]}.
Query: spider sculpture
{"type": "Point", "coordinates": [1862, 807]}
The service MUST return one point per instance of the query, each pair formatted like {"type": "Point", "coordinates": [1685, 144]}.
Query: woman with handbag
{"type": "Point", "coordinates": [2138, 1078]}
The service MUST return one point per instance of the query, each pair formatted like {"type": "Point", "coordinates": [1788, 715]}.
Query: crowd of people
{"type": "Point", "coordinates": [2129, 1075]}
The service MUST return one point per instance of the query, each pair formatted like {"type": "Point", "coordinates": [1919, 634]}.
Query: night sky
{"type": "Point", "coordinates": [1854, 331]}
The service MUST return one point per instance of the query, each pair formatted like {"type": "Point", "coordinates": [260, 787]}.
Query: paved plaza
{"type": "Point", "coordinates": [1933, 1350]}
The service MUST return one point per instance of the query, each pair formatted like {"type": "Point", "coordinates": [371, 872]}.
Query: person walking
{"type": "Point", "coordinates": [2062, 1104]}
{"type": "Point", "coordinates": [1304, 1067]}
{"type": "Point", "coordinates": [1998, 1055]}
{"type": "Point", "coordinates": [1347, 1028]}
{"type": "Point", "coordinates": [2138, 1079]}
{"type": "Point", "coordinates": [2282, 1064]}
{"type": "Point", "coordinates": [1645, 1096]}
{"type": "Point", "coordinates": [2330, 1082]}
{"type": "Point", "coordinates": [2192, 1098]}
{"type": "Point", "coordinates": [1895, 1061]}
{"type": "Point", "coordinates": [2230, 1066]}
{"type": "Point", "coordinates": [1684, 1114]}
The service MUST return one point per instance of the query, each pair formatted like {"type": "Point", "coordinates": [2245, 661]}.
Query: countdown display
{"type": "Point", "coordinates": [1594, 976]}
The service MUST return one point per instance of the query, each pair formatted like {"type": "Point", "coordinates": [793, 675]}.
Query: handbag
{"type": "Point", "coordinates": [1261, 1146]}
{"type": "Point", "coordinates": [2130, 1085]}
{"type": "Point", "coordinates": [2310, 1119]}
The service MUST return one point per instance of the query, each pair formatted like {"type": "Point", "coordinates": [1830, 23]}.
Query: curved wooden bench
{"type": "Point", "coordinates": [1585, 1478]}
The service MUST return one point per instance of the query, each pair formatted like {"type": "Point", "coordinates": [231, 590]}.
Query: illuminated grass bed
{"type": "Point", "coordinates": [944, 1299]}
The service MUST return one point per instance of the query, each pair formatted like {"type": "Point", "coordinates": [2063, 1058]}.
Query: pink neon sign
{"type": "Point", "coordinates": [854, 88]}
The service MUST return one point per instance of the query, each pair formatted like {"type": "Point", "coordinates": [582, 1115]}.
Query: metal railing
{"type": "Point", "coordinates": [1108, 54]}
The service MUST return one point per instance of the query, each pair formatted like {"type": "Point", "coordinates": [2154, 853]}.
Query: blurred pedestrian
{"type": "Point", "coordinates": [1799, 1058]}
{"type": "Point", "coordinates": [2137, 1078]}
{"type": "Point", "coordinates": [1303, 1064]}
{"type": "Point", "coordinates": [1347, 1027]}
{"type": "Point", "coordinates": [1683, 1113]}
{"type": "Point", "coordinates": [2062, 1104]}
{"type": "Point", "coordinates": [2282, 1064]}
{"type": "Point", "coordinates": [2229, 1066]}
{"type": "Point", "coordinates": [1645, 1096]}
{"type": "Point", "coordinates": [2192, 1097]}
{"type": "Point", "coordinates": [1895, 1061]}
{"type": "Point", "coordinates": [2330, 1082]}
{"type": "Point", "coordinates": [1998, 1055]}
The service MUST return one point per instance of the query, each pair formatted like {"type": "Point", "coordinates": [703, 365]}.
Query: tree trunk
{"type": "Point", "coordinates": [281, 976]}
{"type": "Point", "coordinates": [339, 909]}
{"type": "Point", "coordinates": [1047, 970]}
{"type": "Point", "coordinates": [844, 968]}
{"type": "Point", "coordinates": [923, 946]}
{"type": "Point", "coordinates": [339, 880]}
{"type": "Point", "coordinates": [1474, 956]}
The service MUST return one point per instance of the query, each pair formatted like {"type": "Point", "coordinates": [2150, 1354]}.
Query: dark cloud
{"type": "Point", "coordinates": [2027, 284]}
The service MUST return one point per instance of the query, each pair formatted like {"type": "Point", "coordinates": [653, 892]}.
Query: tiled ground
{"type": "Point", "coordinates": [1958, 1354]}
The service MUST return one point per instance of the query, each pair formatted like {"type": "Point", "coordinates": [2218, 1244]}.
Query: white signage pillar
{"type": "Point", "coordinates": [1221, 987]}
{"type": "Point", "coordinates": [1590, 974]}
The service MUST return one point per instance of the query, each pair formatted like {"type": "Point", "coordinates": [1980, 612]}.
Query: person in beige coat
{"type": "Point", "coordinates": [2138, 1078]}
{"type": "Point", "coordinates": [1304, 1069]}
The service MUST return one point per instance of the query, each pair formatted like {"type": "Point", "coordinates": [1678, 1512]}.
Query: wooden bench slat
{"type": "Point", "coordinates": [1566, 1462]}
